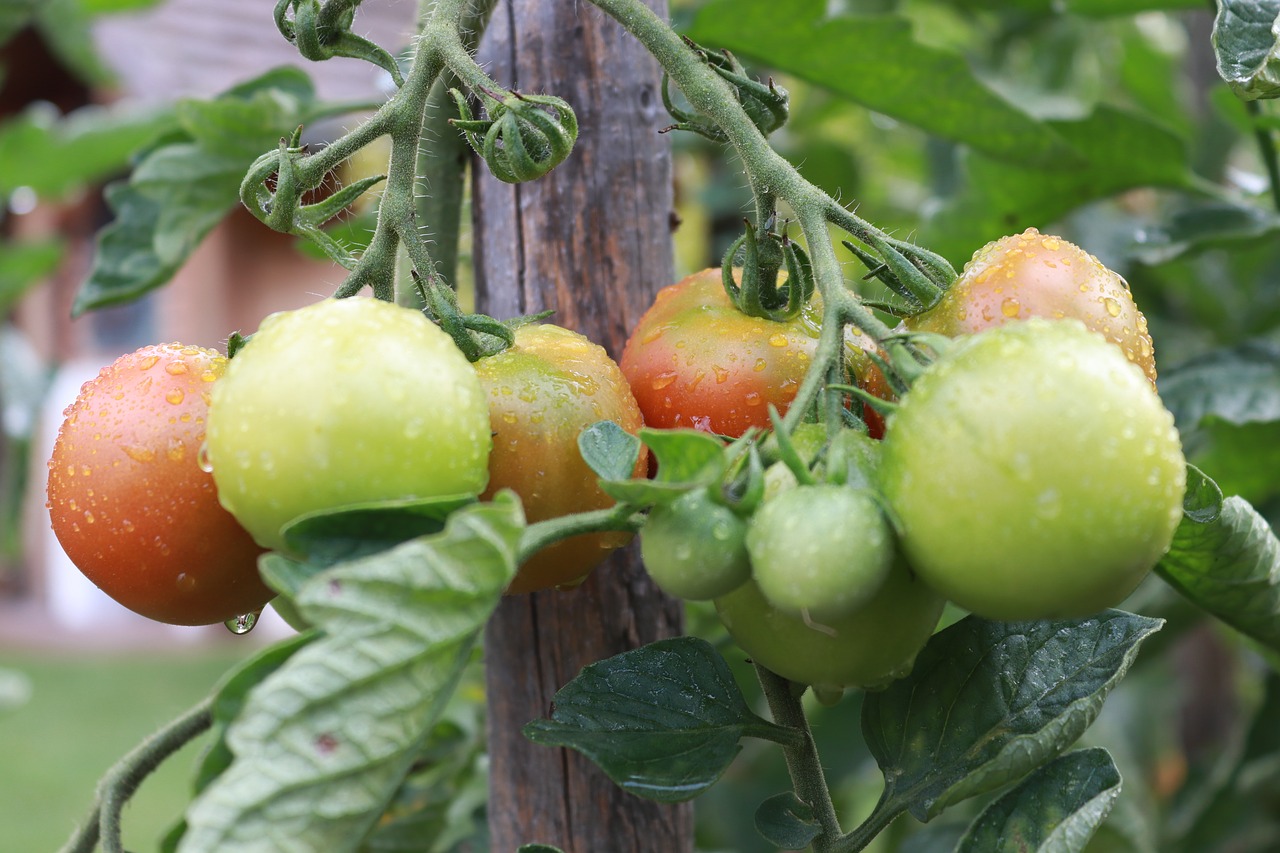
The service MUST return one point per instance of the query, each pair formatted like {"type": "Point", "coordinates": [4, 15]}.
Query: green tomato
{"type": "Point", "coordinates": [821, 551]}
{"type": "Point", "coordinates": [344, 402]}
{"type": "Point", "coordinates": [1034, 472]}
{"type": "Point", "coordinates": [694, 548]}
{"type": "Point", "coordinates": [869, 647]}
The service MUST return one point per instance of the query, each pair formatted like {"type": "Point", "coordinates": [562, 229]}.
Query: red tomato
{"type": "Point", "coordinates": [542, 393]}
{"type": "Point", "coordinates": [130, 503]}
{"type": "Point", "coordinates": [695, 361]}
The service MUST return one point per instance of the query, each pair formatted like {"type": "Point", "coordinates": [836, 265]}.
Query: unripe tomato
{"type": "Point", "coordinates": [695, 548]}
{"type": "Point", "coordinates": [129, 502]}
{"type": "Point", "coordinates": [542, 393]}
{"type": "Point", "coordinates": [1038, 275]}
{"type": "Point", "coordinates": [1034, 472]}
{"type": "Point", "coordinates": [820, 551]}
{"type": "Point", "coordinates": [344, 402]}
{"type": "Point", "coordinates": [696, 361]}
{"type": "Point", "coordinates": [868, 647]}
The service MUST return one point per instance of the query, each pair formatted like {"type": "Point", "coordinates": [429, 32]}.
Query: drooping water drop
{"type": "Point", "coordinates": [242, 624]}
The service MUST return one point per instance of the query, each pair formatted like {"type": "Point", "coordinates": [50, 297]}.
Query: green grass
{"type": "Point", "coordinates": [84, 713]}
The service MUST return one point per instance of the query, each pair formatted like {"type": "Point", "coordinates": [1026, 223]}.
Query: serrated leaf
{"type": "Point", "coordinates": [663, 721]}
{"type": "Point", "coordinates": [786, 822]}
{"type": "Point", "coordinates": [359, 530]}
{"type": "Point", "coordinates": [1238, 385]}
{"type": "Point", "coordinates": [609, 450]}
{"type": "Point", "coordinates": [1186, 232]}
{"type": "Point", "coordinates": [1056, 810]}
{"type": "Point", "coordinates": [1121, 151]}
{"type": "Point", "coordinates": [876, 61]}
{"type": "Point", "coordinates": [1244, 42]}
{"type": "Point", "coordinates": [987, 702]}
{"type": "Point", "coordinates": [125, 264]}
{"type": "Point", "coordinates": [55, 155]}
{"type": "Point", "coordinates": [23, 265]}
{"type": "Point", "coordinates": [1230, 566]}
{"type": "Point", "coordinates": [341, 722]}
{"type": "Point", "coordinates": [686, 459]}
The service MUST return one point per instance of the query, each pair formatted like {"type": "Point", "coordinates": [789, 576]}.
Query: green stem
{"type": "Point", "coordinates": [862, 835]}
{"type": "Point", "coordinates": [1267, 148]}
{"type": "Point", "coordinates": [123, 779]}
{"type": "Point", "coordinates": [543, 533]}
{"type": "Point", "coordinates": [803, 762]}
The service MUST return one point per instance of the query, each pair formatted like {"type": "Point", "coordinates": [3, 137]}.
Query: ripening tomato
{"type": "Point", "coordinates": [129, 502]}
{"type": "Point", "coordinates": [344, 402]}
{"type": "Point", "coordinates": [542, 393]}
{"type": "Point", "coordinates": [696, 361]}
{"type": "Point", "coordinates": [1038, 275]}
{"type": "Point", "coordinates": [1034, 473]}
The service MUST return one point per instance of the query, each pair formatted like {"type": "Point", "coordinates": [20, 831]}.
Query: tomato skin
{"type": "Point", "coordinates": [869, 647]}
{"type": "Point", "coordinates": [1038, 275]}
{"type": "Point", "coordinates": [822, 550]}
{"type": "Point", "coordinates": [542, 392]}
{"type": "Point", "coordinates": [129, 502]}
{"type": "Point", "coordinates": [343, 402]}
{"type": "Point", "coordinates": [1035, 473]}
{"type": "Point", "coordinates": [695, 361]}
{"type": "Point", "coordinates": [694, 548]}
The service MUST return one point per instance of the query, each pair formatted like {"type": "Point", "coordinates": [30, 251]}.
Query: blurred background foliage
{"type": "Point", "coordinates": [952, 122]}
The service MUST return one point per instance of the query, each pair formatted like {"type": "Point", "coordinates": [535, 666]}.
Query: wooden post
{"type": "Point", "coordinates": [591, 240]}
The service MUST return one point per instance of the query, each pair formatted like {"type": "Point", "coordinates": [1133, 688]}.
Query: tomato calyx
{"type": "Point", "coordinates": [916, 275]}
{"type": "Point", "coordinates": [476, 335]}
{"type": "Point", "coordinates": [758, 294]}
{"type": "Point", "coordinates": [766, 104]}
{"type": "Point", "coordinates": [522, 137]}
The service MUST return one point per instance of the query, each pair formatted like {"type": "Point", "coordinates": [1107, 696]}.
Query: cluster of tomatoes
{"type": "Point", "coordinates": [1029, 472]}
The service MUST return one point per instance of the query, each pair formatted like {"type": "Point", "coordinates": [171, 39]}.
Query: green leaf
{"type": "Point", "coordinates": [23, 265]}
{"type": "Point", "coordinates": [1230, 566]}
{"type": "Point", "coordinates": [687, 458]}
{"type": "Point", "coordinates": [1237, 385]}
{"type": "Point", "coordinates": [1244, 41]}
{"type": "Point", "coordinates": [341, 722]}
{"type": "Point", "coordinates": [609, 450]}
{"type": "Point", "coordinates": [65, 26]}
{"type": "Point", "coordinates": [186, 184]}
{"type": "Point", "coordinates": [1202, 227]}
{"type": "Point", "coordinates": [987, 702]}
{"type": "Point", "coordinates": [1056, 810]}
{"type": "Point", "coordinates": [125, 265]}
{"type": "Point", "coordinates": [663, 721]}
{"type": "Point", "coordinates": [786, 822]}
{"type": "Point", "coordinates": [336, 536]}
{"type": "Point", "coordinates": [57, 155]}
{"type": "Point", "coordinates": [876, 61]}
{"type": "Point", "coordinates": [1121, 151]}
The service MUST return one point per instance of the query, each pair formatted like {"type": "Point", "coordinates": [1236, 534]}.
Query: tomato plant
{"type": "Point", "coordinates": [129, 502]}
{"type": "Point", "coordinates": [694, 360]}
{"type": "Point", "coordinates": [542, 392]}
{"type": "Point", "coordinates": [695, 548]}
{"type": "Point", "coordinates": [1038, 275]}
{"type": "Point", "coordinates": [340, 403]}
{"type": "Point", "coordinates": [868, 646]}
{"type": "Point", "coordinates": [820, 551]}
{"type": "Point", "coordinates": [1035, 473]}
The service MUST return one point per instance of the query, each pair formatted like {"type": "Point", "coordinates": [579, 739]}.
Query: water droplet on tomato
{"type": "Point", "coordinates": [662, 380]}
{"type": "Point", "coordinates": [138, 453]}
{"type": "Point", "coordinates": [177, 450]}
{"type": "Point", "coordinates": [148, 362]}
{"type": "Point", "coordinates": [722, 375]}
{"type": "Point", "coordinates": [176, 368]}
{"type": "Point", "coordinates": [202, 458]}
{"type": "Point", "coordinates": [1010, 307]}
{"type": "Point", "coordinates": [777, 339]}
{"type": "Point", "coordinates": [760, 365]}
{"type": "Point", "coordinates": [753, 398]}
{"type": "Point", "coordinates": [242, 624]}
{"type": "Point", "coordinates": [175, 396]}
{"type": "Point", "coordinates": [88, 517]}
{"type": "Point", "coordinates": [186, 582]}
{"type": "Point", "coordinates": [1112, 306]}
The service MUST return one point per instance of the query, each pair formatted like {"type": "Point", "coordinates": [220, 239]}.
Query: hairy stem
{"type": "Point", "coordinates": [803, 762]}
{"type": "Point", "coordinates": [123, 780]}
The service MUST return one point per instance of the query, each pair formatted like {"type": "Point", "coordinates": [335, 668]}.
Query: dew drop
{"type": "Point", "coordinates": [138, 453]}
{"type": "Point", "coordinates": [777, 339]}
{"type": "Point", "coordinates": [175, 396]}
{"type": "Point", "coordinates": [662, 380]}
{"type": "Point", "coordinates": [753, 398]}
{"type": "Point", "coordinates": [722, 375]}
{"type": "Point", "coordinates": [176, 368]}
{"type": "Point", "coordinates": [760, 365]}
{"type": "Point", "coordinates": [1010, 307]}
{"type": "Point", "coordinates": [186, 582]}
{"type": "Point", "coordinates": [1112, 306]}
{"type": "Point", "coordinates": [203, 460]}
{"type": "Point", "coordinates": [149, 362]}
{"type": "Point", "coordinates": [242, 624]}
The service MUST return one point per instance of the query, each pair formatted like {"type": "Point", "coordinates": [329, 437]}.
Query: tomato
{"type": "Point", "coordinates": [542, 392]}
{"type": "Point", "coordinates": [695, 548]}
{"type": "Point", "coordinates": [129, 502]}
{"type": "Point", "coordinates": [868, 647]}
{"type": "Point", "coordinates": [820, 551]}
{"type": "Point", "coordinates": [1037, 275]}
{"type": "Point", "coordinates": [344, 402]}
{"type": "Point", "coordinates": [1034, 472]}
{"type": "Point", "coordinates": [695, 361]}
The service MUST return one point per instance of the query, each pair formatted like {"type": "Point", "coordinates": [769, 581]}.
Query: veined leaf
{"type": "Point", "coordinates": [988, 702]}
{"type": "Point", "coordinates": [1245, 43]}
